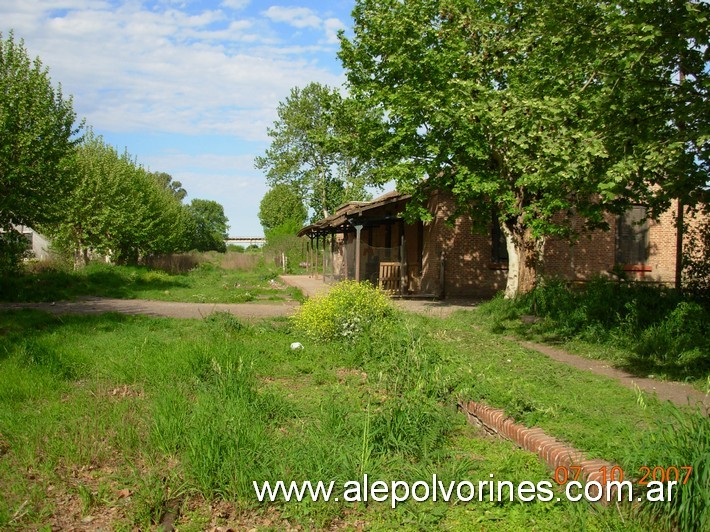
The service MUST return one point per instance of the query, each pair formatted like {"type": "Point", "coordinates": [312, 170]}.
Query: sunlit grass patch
{"type": "Point", "coordinates": [126, 418]}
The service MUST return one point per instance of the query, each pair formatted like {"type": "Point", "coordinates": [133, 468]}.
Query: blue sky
{"type": "Point", "coordinates": [187, 87]}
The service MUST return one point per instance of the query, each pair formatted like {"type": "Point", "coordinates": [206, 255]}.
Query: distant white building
{"type": "Point", "coordinates": [38, 243]}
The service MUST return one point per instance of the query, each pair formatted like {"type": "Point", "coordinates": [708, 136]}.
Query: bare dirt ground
{"type": "Point", "coordinates": [170, 309]}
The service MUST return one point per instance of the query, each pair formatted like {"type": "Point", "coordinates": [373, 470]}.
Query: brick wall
{"type": "Point", "coordinates": [594, 253]}
{"type": "Point", "coordinates": [469, 270]}
{"type": "Point", "coordinates": [662, 251]}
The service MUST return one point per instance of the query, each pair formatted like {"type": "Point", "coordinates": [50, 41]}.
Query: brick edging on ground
{"type": "Point", "coordinates": [551, 451]}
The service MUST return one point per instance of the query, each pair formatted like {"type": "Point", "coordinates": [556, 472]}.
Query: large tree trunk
{"type": "Point", "coordinates": [81, 257]}
{"type": "Point", "coordinates": [524, 256]}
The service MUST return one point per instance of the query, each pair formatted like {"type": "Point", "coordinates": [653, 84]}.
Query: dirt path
{"type": "Point", "coordinates": [676, 392]}
{"type": "Point", "coordinates": [170, 309]}
{"type": "Point", "coordinates": [313, 286]}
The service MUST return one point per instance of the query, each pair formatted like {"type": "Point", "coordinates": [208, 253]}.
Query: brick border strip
{"type": "Point", "coordinates": [551, 451]}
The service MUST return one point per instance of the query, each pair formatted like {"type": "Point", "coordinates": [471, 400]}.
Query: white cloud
{"type": "Point", "coordinates": [298, 17]}
{"type": "Point", "coordinates": [303, 17]}
{"type": "Point", "coordinates": [132, 68]}
{"type": "Point", "coordinates": [236, 4]}
{"type": "Point", "coordinates": [332, 27]}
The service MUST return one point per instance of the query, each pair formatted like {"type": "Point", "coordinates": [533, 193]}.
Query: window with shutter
{"type": "Point", "coordinates": [632, 237]}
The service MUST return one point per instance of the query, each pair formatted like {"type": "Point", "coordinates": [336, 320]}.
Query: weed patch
{"type": "Point", "coordinates": [681, 440]}
{"type": "Point", "coordinates": [204, 283]}
{"type": "Point", "coordinates": [344, 313]}
{"type": "Point", "coordinates": [652, 330]}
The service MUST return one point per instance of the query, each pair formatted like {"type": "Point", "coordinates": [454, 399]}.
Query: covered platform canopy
{"type": "Point", "coordinates": [352, 217]}
{"type": "Point", "coordinates": [354, 213]}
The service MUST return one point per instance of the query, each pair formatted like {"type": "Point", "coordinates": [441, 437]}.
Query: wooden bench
{"type": "Point", "coordinates": [390, 277]}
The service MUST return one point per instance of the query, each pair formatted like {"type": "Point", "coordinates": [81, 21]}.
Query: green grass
{"type": "Point", "coordinates": [645, 330]}
{"type": "Point", "coordinates": [114, 418]}
{"type": "Point", "coordinates": [592, 412]}
{"type": "Point", "coordinates": [206, 283]}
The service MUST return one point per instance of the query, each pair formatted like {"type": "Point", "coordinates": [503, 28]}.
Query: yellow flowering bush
{"type": "Point", "coordinates": [347, 310]}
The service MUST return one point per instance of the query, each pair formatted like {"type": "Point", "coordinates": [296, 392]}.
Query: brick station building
{"type": "Point", "coordinates": [371, 241]}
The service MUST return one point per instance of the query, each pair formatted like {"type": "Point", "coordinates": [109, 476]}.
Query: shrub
{"type": "Point", "coordinates": [221, 321]}
{"type": "Point", "coordinates": [282, 241]}
{"type": "Point", "coordinates": [344, 313]}
{"type": "Point", "coordinates": [14, 247]}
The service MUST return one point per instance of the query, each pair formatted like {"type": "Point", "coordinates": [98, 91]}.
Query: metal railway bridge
{"type": "Point", "coordinates": [247, 240]}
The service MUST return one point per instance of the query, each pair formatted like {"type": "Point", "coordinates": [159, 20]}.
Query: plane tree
{"type": "Point", "coordinates": [281, 207]}
{"type": "Point", "coordinates": [315, 148]}
{"type": "Point", "coordinates": [38, 133]}
{"type": "Point", "coordinates": [210, 225]}
{"type": "Point", "coordinates": [535, 113]}
{"type": "Point", "coordinates": [117, 208]}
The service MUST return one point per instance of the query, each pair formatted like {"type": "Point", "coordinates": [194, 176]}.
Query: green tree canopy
{"type": "Point", "coordinates": [37, 139]}
{"type": "Point", "coordinates": [117, 208]}
{"type": "Point", "coordinates": [536, 111]}
{"type": "Point", "coordinates": [281, 205]}
{"type": "Point", "coordinates": [315, 148]}
{"type": "Point", "coordinates": [210, 225]}
{"type": "Point", "coordinates": [166, 181]}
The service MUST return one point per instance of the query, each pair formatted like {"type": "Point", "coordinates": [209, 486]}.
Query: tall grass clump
{"type": "Point", "coordinates": [344, 313]}
{"type": "Point", "coordinates": [221, 432]}
{"type": "Point", "coordinates": [682, 440]}
{"type": "Point", "coordinates": [415, 416]}
{"type": "Point", "coordinates": [659, 329]}
{"type": "Point", "coordinates": [175, 263]}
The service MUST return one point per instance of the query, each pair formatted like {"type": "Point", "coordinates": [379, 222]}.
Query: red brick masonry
{"type": "Point", "coordinates": [553, 452]}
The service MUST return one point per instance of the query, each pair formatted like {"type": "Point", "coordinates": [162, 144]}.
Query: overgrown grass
{"type": "Point", "coordinates": [206, 283]}
{"type": "Point", "coordinates": [644, 329]}
{"type": "Point", "coordinates": [117, 419]}
{"type": "Point", "coordinates": [113, 418]}
{"type": "Point", "coordinates": [680, 439]}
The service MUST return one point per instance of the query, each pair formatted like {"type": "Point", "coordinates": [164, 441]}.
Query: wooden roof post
{"type": "Point", "coordinates": [679, 230]}
{"type": "Point", "coordinates": [403, 262]}
{"type": "Point", "coordinates": [325, 251]}
{"type": "Point", "coordinates": [358, 228]}
{"type": "Point", "coordinates": [316, 249]}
